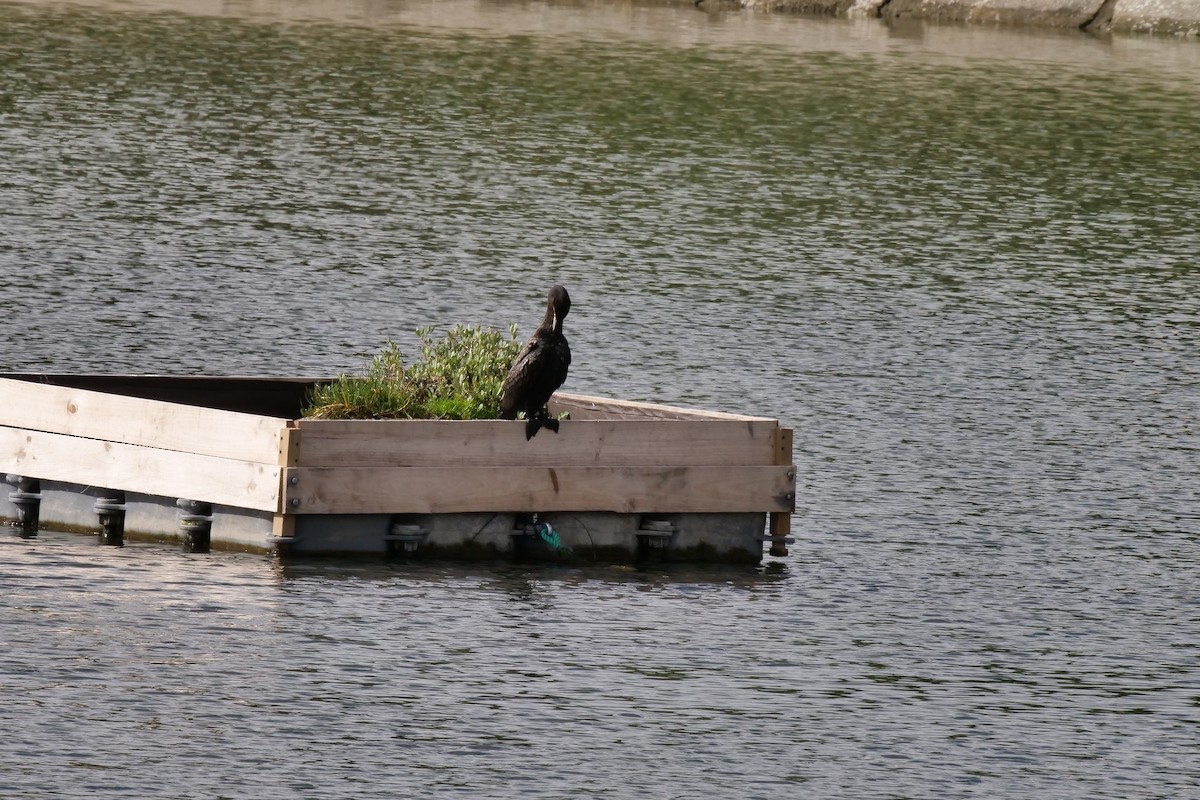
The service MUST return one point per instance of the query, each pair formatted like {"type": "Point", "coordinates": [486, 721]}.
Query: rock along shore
{"type": "Point", "coordinates": [1171, 17]}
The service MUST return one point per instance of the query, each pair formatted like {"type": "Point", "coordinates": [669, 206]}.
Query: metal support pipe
{"type": "Point", "coordinates": [405, 536]}
{"type": "Point", "coordinates": [654, 538]}
{"type": "Point", "coordinates": [28, 501]}
{"type": "Point", "coordinates": [110, 508]}
{"type": "Point", "coordinates": [195, 522]}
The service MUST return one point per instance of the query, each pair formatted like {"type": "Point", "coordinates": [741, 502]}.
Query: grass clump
{"type": "Point", "coordinates": [459, 376]}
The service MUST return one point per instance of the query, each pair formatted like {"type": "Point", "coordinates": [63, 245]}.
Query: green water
{"type": "Point", "coordinates": [961, 263]}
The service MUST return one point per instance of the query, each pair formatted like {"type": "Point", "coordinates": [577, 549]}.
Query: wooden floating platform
{"type": "Point", "coordinates": [227, 462]}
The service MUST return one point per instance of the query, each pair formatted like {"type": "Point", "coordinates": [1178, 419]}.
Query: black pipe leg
{"type": "Point", "coordinates": [195, 522]}
{"type": "Point", "coordinates": [110, 508]}
{"type": "Point", "coordinates": [28, 501]}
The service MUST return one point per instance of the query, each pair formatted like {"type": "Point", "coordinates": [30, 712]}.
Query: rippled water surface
{"type": "Point", "coordinates": [962, 264]}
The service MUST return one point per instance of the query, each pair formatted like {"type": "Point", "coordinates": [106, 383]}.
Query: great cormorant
{"type": "Point", "coordinates": [540, 368]}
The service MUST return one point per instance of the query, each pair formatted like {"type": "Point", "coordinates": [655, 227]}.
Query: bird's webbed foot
{"type": "Point", "coordinates": [540, 420]}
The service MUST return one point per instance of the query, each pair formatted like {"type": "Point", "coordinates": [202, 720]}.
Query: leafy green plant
{"type": "Point", "coordinates": [459, 376]}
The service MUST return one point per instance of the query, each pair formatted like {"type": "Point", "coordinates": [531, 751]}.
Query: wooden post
{"type": "Point", "coordinates": [283, 525]}
{"type": "Point", "coordinates": [781, 521]}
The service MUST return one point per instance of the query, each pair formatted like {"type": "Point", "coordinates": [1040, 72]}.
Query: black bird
{"type": "Point", "coordinates": [540, 368]}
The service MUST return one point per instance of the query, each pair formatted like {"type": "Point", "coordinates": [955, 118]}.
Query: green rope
{"type": "Point", "coordinates": [551, 537]}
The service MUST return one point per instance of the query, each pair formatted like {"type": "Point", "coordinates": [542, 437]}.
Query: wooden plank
{"type": "Point", "coordinates": [264, 396]}
{"type": "Point", "coordinates": [283, 524]}
{"type": "Point", "coordinates": [783, 457]}
{"type": "Point", "coordinates": [781, 521]}
{"type": "Point", "coordinates": [783, 445]}
{"type": "Point", "coordinates": [501, 443]}
{"type": "Point", "coordinates": [132, 468]}
{"type": "Point", "coordinates": [132, 420]}
{"type": "Point", "coordinates": [436, 490]}
{"type": "Point", "coordinates": [780, 527]}
{"type": "Point", "coordinates": [289, 447]}
{"type": "Point", "coordinates": [581, 406]}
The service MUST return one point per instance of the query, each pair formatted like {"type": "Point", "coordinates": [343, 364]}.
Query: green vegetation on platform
{"type": "Point", "coordinates": [459, 376]}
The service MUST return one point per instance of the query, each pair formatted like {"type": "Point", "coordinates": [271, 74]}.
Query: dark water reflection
{"type": "Point", "coordinates": [961, 264]}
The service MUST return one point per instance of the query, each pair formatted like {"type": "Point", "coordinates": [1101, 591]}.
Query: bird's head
{"type": "Point", "coordinates": [560, 302]}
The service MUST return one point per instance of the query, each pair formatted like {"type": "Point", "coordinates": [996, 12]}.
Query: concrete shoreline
{"type": "Point", "coordinates": [1178, 18]}
{"type": "Point", "coordinates": [1168, 17]}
